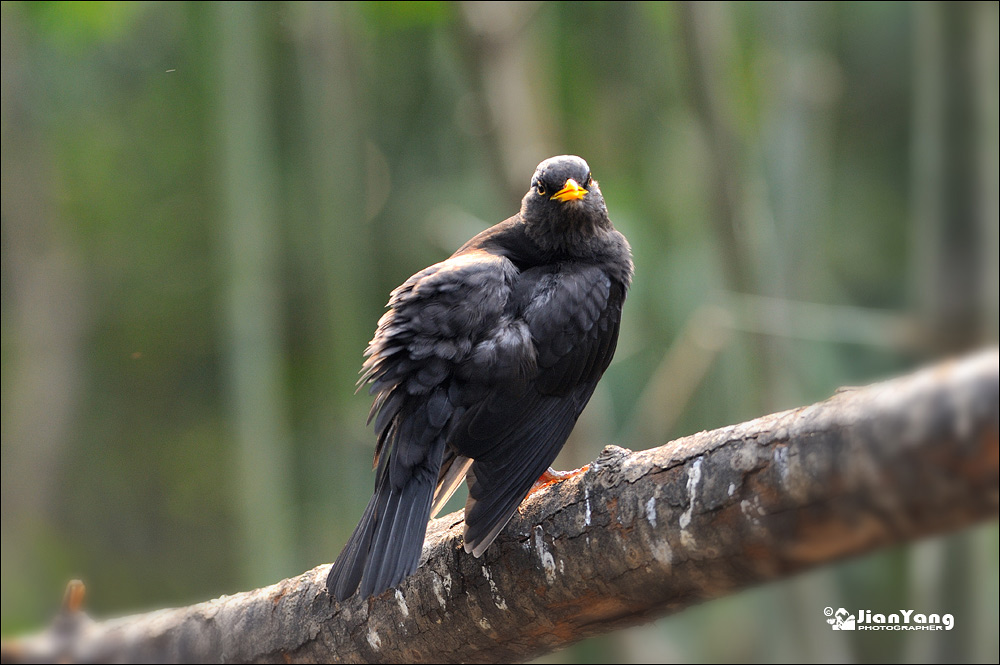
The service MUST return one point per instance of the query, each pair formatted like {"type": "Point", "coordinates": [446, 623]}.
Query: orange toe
{"type": "Point", "coordinates": [551, 477]}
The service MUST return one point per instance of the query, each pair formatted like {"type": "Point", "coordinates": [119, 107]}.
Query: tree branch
{"type": "Point", "coordinates": [637, 536]}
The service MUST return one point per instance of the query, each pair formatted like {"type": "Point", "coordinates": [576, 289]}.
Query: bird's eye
{"type": "Point", "coordinates": [590, 180]}
{"type": "Point", "coordinates": [540, 186]}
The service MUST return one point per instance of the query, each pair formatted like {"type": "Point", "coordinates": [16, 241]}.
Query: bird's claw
{"type": "Point", "coordinates": [551, 477]}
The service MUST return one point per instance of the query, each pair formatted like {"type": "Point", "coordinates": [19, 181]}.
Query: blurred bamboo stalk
{"type": "Point", "coordinates": [984, 26]}
{"type": "Point", "coordinates": [250, 244]}
{"type": "Point", "coordinates": [333, 240]}
{"type": "Point", "coordinates": [797, 128]}
{"type": "Point", "coordinates": [708, 43]}
{"type": "Point", "coordinates": [752, 252]}
{"type": "Point", "coordinates": [954, 266]}
{"type": "Point", "coordinates": [45, 321]}
{"type": "Point", "coordinates": [513, 109]}
{"type": "Point", "coordinates": [336, 193]}
{"type": "Point", "coordinates": [945, 265]}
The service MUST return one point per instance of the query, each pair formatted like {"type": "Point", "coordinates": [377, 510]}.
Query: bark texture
{"type": "Point", "coordinates": [638, 535]}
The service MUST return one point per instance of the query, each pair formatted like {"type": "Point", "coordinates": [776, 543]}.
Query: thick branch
{"type": "Point", "coordinates": [638, 535]}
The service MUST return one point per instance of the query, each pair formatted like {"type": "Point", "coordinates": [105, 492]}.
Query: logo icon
{"type": "Point", "coordinates": [840, 620]}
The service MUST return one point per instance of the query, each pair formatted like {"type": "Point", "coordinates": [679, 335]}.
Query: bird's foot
{"type": "Point", "coordinates": [551, 477]}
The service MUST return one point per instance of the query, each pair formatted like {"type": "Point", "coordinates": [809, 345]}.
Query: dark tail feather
{"type": "Point", "coordinates": [345, 574]}
{"type": "Point", "coordinates": [385, 546]}
{"type": "Point", "coordinates": [398, 557]}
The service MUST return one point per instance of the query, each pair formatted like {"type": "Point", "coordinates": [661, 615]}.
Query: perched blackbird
{"type": "Point", "coordinates": [480, 369]}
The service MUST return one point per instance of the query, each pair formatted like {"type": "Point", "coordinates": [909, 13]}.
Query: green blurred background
{"type": "Point", "coordinates": [205, 207]}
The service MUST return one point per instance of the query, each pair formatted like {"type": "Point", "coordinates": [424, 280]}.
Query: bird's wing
{"type": "Point", "coordinates": [452, 473]}
{"type": "Point", "coordinates": [434, 321]}
{"type": "Point", "coordinates": [516, 430]}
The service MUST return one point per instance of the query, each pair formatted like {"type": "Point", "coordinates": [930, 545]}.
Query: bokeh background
{"type": "Point", "coordinates": [206, 205]}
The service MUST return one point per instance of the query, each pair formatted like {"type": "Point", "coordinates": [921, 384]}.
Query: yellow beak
{"type": "Point", "coordinates": [571, 191]}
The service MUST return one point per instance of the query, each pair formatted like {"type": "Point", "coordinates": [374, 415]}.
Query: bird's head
{"type": "Point", "coordinates": [564, 203]}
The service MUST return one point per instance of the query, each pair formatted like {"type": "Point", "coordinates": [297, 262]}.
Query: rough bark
{"type": "Point", "coordinates": [638, 535]}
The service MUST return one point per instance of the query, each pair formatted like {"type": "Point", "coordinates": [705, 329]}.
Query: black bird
{"type": "Point", "coordinates": [480, 369]}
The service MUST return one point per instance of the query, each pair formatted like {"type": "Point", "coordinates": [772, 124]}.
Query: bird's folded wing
{"type": "Point", "coordinates": [516, 431]}
{"type": "Point", "coordinates": [433, 322]}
